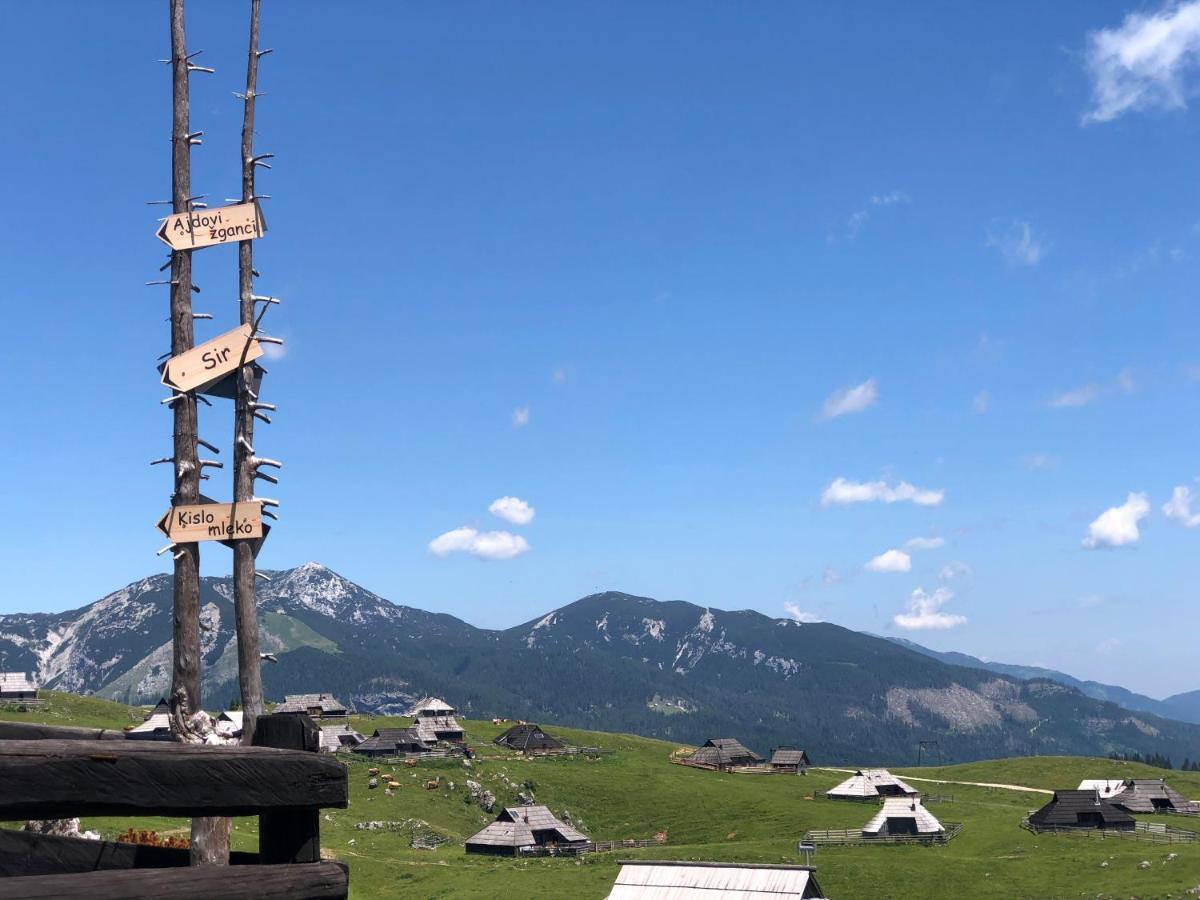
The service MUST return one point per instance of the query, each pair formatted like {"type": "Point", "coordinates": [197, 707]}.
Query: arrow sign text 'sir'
{"type": "Point", "coordinates": [208, 227]}
{"type": "Point", "coordinates": [211, 361]}
{"type": "Point", "coordinates": [213, 522]}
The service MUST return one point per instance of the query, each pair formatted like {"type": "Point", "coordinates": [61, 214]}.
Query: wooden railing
{"type": "Point", "coordinates": [589, 847]}
{"type": "Point", "coordinates": [1141, 831]}
{"type": "Point", "coordinates": [855, 836]}
{"type": "Point", "coordinates": [49, 772]}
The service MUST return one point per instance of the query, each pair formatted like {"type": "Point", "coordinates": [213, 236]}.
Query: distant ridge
{"type": "Point", "coordinates": [610, 661]}
{"type": "Point", "coordinates": [1184, 707]}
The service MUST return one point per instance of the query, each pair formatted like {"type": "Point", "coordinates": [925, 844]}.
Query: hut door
{"type": "Point", "coordinates": [902, 826]}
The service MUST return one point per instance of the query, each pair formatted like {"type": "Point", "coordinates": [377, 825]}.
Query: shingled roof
{"type": "Point", "coordinates": [1146, 795]}
{"type": "Point", "coordinates": [431, 706]}
{"type": "Point", "coordinates": [1080, 809]}
{"type": "Point", "coordinates": [325, 704]}
{"type": "Point", "coordinates": [724, 752]}
{"type": "Point", "coordinates": [902, 808]}
{"type": "Point", "coordinates": [641, 879]}
{"type": "Point", "coordinates": [527, 736]}
{"type": "Point", "coordinates": [390, 742]}
{"type": "Point", "coordinates": [867, 784]}
{"type": "Point", "coordinates": [16, 683]}
{"type": "Point", "coordinates": [789, 756]}
{"type": "Point", "coordinates": [517, 827]}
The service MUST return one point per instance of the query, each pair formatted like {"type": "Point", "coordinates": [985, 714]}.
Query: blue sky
{"type": "Point", "coordinates": [663, 273]}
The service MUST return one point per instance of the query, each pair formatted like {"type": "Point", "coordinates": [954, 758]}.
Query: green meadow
{"type": "Point", "coordinates": [635, 792]}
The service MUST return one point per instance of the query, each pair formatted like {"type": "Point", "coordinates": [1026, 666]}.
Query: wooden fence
{"type": "Point", "coordinates": [855, 836]}
{"type": "Point", "coordinates": [49, 772]}
{"type": "Point", "coordinates": [1141, 831]}
{"type": "Point", "coordinates": [589, 847]}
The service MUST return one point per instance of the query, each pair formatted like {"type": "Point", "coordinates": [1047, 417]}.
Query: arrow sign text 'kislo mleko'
{"type": "Point", "coordinates": [209, 227]}
{"type": "Point", "coordinates": [212, 360]}
{"type": "Point", "coordinates": [213, 522]}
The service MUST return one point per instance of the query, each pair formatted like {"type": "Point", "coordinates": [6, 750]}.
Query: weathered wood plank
{"type": "Point", "coordinates": [286, 731]}
{"type": "Point", "coordinates": [27, 853]}
{"type": "Point", "coordinates": [289, 837]}
{"type": "Point", "coordinates": [56, 779]}
{"type": "Point", "coordinates": [312, 881]}
{"type": "Point", "coordinates": [35, 731]}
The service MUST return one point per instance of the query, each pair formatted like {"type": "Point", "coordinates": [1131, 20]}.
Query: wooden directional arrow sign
{"type": "Point", "coordinates": [208, 227]}
{"type": "Point", "coordinates": [213, 522]}
{"type": "Point", "coordinates": [211, 361]}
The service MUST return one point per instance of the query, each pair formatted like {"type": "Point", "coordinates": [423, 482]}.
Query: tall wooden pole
{"type": "Point", "coordinates": [210, 836]}
{"type": "Point", "coordinates": [185, 671]}
{"type": "Point", "coordinates": [244, 600]}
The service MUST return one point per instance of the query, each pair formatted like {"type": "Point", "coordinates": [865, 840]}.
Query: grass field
{"type": "Point", "coordinates": [636, 792]}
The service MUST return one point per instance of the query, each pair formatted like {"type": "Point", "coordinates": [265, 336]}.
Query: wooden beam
{"type": "Point", "coordinates": [29, 853]}
{"type": "Point", "coordinates": [314, 881]}
{"type": "Point", "coordinates": [35, 731]}
{"type": "Point", "coordinates": [61, 779]}
{"type": "Point", "coordinates": [289, 837]}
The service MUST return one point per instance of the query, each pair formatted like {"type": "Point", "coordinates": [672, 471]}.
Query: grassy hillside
{"type": "Point", "coordinates": [636, 792]}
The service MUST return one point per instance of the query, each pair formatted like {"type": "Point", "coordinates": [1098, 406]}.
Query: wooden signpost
{"type": "Point", "coordinates": [211, 361]}
{"type": "Point", "coordinates": [212, 522]}
{"type": "Point", "coordinates": [209, 227]}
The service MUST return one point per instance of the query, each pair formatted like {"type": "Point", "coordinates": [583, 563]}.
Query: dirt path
{"type": "Point", "coordinates": [985, 784]}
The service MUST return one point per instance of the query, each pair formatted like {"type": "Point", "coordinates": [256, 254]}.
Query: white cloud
{"type": "Point", "coordinates": [924, 611]}
{"type": "Point", "coordinates": [520, 417]}
{"type": "Point", "coordinates": [1089, 601]}
{"type": "Point", "coordinates": [1179, 507]}
{"type": "Point", "coordinates": [956, 569]}
{"type": "Point", "coordinates": [841, 492]}
{"type": "Point", "coordinates": [1039, 461]}
{"type": "Point", "coordinates": [981, 403]}
{"type": "Point", "coordinates": [800, 615]}
{"type": "Point", "coordinates": [512, 509]}
{"type": "Point", "coordinates": [483, 544]}
{"type": "Point", "coordinates": [1082, 396]}
{"type": "Point", "coordinates": [559, 376]}
{"type": "Point", "coordinates": [890, 561]}
{"type": "Point", "coordinates": [849, 400]}
{"type": "Point", "coordinates": [924, 543]}
{"type": "Point", "coordinates": [1018, 244]}
{"type": "Point", "coordinates": [859, 218]}
{"type": "Point", "coordinates": [1108, 645]}
{"type": "Point", "coordinates": [1142, 64]}
{"type": "Point", "coordinates": [891, 198]}
{"type": "Point", "coordinates": [1118, 525]}
{"type": "Point", "coordinates": [1125, 382]}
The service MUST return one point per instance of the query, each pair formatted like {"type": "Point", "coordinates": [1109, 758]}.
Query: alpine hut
{"type": "Point", "coordinates": [1105, 787]}
{"type": "Point", "coordinates": [647, 879]}
{"type": "Point", "coordinates": [339, 737]}
{"type": "Point", "coordinates": [391, 742]}
{"type": "Point", "coordinates": [1079, 809]}
{"type": "Point", "coordinates": [789, 759]}
{"type": "Point", "coordinates": [230, 723]}
{"type": "Point", "coordinates": [902, 815]}
{"type": "Point", "coordinates": [318, 706]}
{"type": "Point", "coordinates": [519, 829]}
{"type": "Point", "coordinates": [870, 784]}
{"type": "Point", "coordinates": [722, 753]}
{"type": "Point", "coordinates": [1150, 795]}
{"type": "Point", "coordinates": [17, 688]}
{"type": "Point", "coordinates": [527, 737]}
{"type": "Point", "coordinates": [434, 721]}
{"type": "Point", "coordinates": [156, 727]}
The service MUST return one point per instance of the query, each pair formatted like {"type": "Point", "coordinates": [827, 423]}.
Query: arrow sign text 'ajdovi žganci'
{"type": "Point", "coordinates": [209, 227]}
{"type": "Point", "coordinates": [212, 360]}
{"type": "Point", "coordinates": [213, 522]}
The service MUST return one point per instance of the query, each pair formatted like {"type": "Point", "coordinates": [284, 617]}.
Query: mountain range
{"type": "Point", "coordinates": [609, 661]}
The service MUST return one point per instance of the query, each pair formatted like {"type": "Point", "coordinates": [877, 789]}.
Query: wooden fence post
{"type": "Point", "coordinates": [291, 836]}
